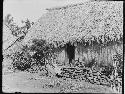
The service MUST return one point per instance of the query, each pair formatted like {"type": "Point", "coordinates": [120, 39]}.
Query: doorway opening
{"type": "Point", "coordinates": [70, 49]}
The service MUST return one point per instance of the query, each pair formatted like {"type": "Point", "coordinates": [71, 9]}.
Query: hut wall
{"type": "Point", "coordinates": [100, 53]}
{"type": "Point", "coordinates": [61, 56]}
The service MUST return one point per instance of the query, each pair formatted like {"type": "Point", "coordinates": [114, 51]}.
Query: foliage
{"type": "Point", "coordinates": [15, 29]}
{"type": "Point", "coordinates": [36, 54]}
{"type": "Point", "coordinates": [28, 56]}
{"type": "Point", "coordinates": [21, 61]}
{"type": "Point", "coordinates": [91, 63]}
{"type": "Point", "coordinates": [43, 51]}
{"type": "Point", "coordinates": [118, 64]}
{"type": "Point", "coordinates": [107, 70]}
{"type": "Point", "coordinates": [9, 20]}
{"type": "Point", "coordinates": [28, 24]}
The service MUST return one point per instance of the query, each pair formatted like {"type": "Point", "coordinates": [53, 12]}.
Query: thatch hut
{"type": "Point", "coordinates": [82, 31]}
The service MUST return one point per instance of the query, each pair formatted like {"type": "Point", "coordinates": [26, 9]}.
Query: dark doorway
{"type": "Point", "coordinates": [70, 49]}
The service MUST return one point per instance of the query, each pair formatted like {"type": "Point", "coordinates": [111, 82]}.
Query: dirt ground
{"type": "Point", "coordinates": [34, 83]}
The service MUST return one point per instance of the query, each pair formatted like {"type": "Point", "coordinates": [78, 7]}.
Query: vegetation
{"type": "Point", "coordinates": [15, 29]}
{"type": "Point", "coordinates": [28, 56]}
{"type": "Point", "coordinates": [21, 59]}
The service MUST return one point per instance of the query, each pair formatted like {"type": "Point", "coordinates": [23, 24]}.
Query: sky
{"type": "Point", "coordinates": [31, 9]}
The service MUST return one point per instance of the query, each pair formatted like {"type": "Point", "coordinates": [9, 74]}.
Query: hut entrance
{"type": "Point", "coordinates": [70, 50]}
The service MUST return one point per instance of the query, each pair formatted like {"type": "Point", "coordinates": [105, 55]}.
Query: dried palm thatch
{"type": "Point", "coordinates": [90, 21]}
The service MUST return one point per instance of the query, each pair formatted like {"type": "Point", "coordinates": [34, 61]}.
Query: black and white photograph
{"type": "Point", "coordinates": [62, 46]}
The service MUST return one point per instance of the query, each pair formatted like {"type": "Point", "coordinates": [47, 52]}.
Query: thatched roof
{"type": "Point", "coordinates": [89, 21]}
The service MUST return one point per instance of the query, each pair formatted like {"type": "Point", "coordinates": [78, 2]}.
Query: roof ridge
{"type": "Point", "coordinates": [65, 6]}
{"type": "Point", "coordinates": [71, 5]}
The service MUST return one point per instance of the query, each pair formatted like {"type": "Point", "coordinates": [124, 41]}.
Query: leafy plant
{"type": "Point", "coordinates": [118, 62]}
{"type": "Point", "coordinates": [43, 51]}
{"type": "Point", "coordinates": [15, 29]}
{"type": "Point", "coordinates": [107, 70]}
{"type": "Point", "coordinates": [91, 63]}
{"type": "Point", "coordinates": [9, 20]}
{"type": "Point", "coordinates": [21, 61]}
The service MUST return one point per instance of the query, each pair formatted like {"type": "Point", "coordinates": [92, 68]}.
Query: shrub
{"type": "Point", "coordinates": [43, 51]}
{"type": "Point", "coordinates": [91, 63]}
{"type": "Point", "coordinates": [118, 60]}
{"type": "Point", "coordinates": [28, 56]}
{"type": "Point", "coordinates": [107, 70]}
{"type": "Point", "coordinates": [21, 61]}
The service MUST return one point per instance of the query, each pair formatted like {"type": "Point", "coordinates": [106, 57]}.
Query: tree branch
{"type": "Point", "coordinates": [14, 42]}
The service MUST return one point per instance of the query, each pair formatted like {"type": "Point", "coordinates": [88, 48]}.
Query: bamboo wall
{"type": "Point", "coordinates": [86, 54]}
{"type": "Point", "coordinates": [62, 57]}
{"type": "Point", "coordinates": [100, 53]}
